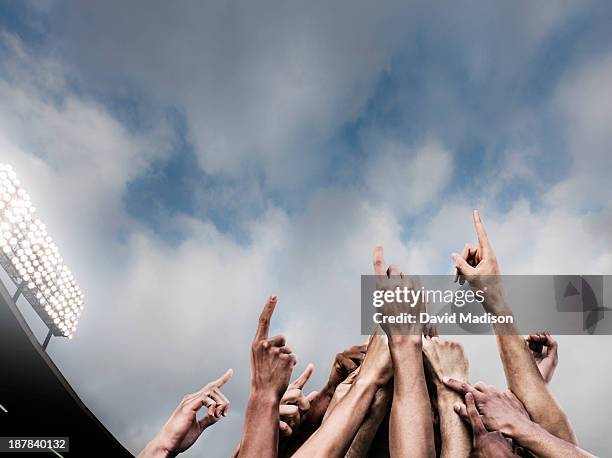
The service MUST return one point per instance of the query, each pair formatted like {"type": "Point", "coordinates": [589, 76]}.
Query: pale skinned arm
{"type": "Point", "coordinates": [478, 265]}
{"type": "Point", "coordinates": [335, 435]}
{"type": "Point", "coordinates": [502, 412]}
{"type": "Point", "coordinates": [543, 444]}
{"type": "Point", "coordinates": [410, 424]}
{"type": "Point", "coordinates": [446, 358]}
{"type": "Point", "coordinates": [368, 429]}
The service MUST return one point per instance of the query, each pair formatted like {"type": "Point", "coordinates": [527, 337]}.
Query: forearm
{"type": "Point", "coordinates": [260, 437]}
{"type": "Point", "coordinates": [367, 431]}
{"type": "Point", "coordinates": [155, 449]}
{"type": "Point", "coordinates": [455, 435]}
{"type": "Point", "coordinates": [411, 425]}
{"type": "Point", "coordinates": [541, 443]}
{"type": "Point", "coordinates": [335, 435]}
{"type": "Point", "coordinates": [310, 422]}
{"type": "Point", "coordinates": [525, 381]}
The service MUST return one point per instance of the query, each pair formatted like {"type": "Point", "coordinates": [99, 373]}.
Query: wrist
{"type": "Point", "coordinates": [405, 343]}
{"type": "Point", "coordinates": [264, 396]}
{"type": "Point", "coordinates": [157, 448]}
{"type": "Point", "coordinates": [522, 430]}
{"type": "Point", "coordinates": [328, 389]}
{"type": "Point", "coordinates": [446, 396]}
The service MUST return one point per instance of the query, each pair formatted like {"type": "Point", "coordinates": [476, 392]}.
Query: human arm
{"type": "Point", "coordinates": [183, 427]}
{"type": "Point", "coordinates": [479, 266]}
{"type": "Point", "coordinates": [445, 358]}
{"type": "Point", "coordinates": [271, 366]}
{"type": "Point", "coordinates": [504, 413]}
{"type": "Point", "coordinates": [336, 433]}
{"type": "Point", "coordinates": [367, 431]}
{"type": "Point", "coordinates": [411, 423]}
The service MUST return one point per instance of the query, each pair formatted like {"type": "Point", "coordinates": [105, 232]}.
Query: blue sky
{"type": "Point", "coordinates": [190, 160]}
{"type": "Point", "coordinates": [426, 88]}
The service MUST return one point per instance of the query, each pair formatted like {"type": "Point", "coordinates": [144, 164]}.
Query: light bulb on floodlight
{"type": "Point", "coordinates": [36, 266]}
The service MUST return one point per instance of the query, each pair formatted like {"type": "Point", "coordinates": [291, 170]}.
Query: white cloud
{"type": "Point", "coordinates": [408, 179]}
{"type": "Point", "coordinates": [162, 319]}
{"type": "Point", "coordinates": [584, 101]}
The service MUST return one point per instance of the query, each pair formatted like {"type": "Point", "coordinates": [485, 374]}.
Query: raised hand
{"type": "Point", "coordinates": [486, 444]}
{"type": "Point", "coordinates": [544, 350]}
{"type": "Point", "coordinates": [390, 280]}
{"type": "Point", "coordinates": [501, 411]}
{"type": "Point", "coordinates": [346, 362]}
{"type": "Point", "coordinates": [183, 427]}
{"type": "Point", "coordinates": [479, 266]}
{"type": "Point", "coordinates": [445, 359]}
{"type": "Point", "coordinates": [271, 360]}
{"type": "Point", "coordinates": [377, 368]}
{"type": "Point", "coordinates": [294, 404]}
{"type": "Point", "coordinates": [271, 366]}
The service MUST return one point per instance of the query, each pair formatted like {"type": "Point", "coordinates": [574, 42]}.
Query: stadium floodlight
{"type": "Point", "coordinates": [32, 260]}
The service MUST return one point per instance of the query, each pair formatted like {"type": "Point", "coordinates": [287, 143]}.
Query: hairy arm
{"type": "Point", "coordinates": [543, 444]}
{"type": "Point", "coordinates": [368, 429]}
{"type": "Point", "coordinates": [335, 435]}
{"type": "Point", "coordinates": [446, 358]}
{"type": "Point", "coordinates": [411, 424]}
{"type": "Point", "coordinates": [260, 436]}
{"type": "Point", "coordinates": [454, 433]}
{"type": "Point", "coordinates": [526, 382]}
{"type": "Point", "coordinates": [479, 266]}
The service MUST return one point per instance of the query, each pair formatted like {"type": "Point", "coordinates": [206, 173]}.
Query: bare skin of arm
{"type": "Point", "coordinates": [368, 429]}
{"type": "Point", "coordinates": [335, 435]}
{"type": "Point", "coordinates": [444, 358]}
{"type": "Point", "coordinates": [321, 402]}
{"type": "Point", "coordinates": [271, 366]}
{"type": "Point", "coordinates": [479, 266]}
{"type": "Point", "coordinates": [504, 413]}
{"type": "Point", "coordinates": [411, 424]}
{"type": "Point", "coordinates": [486, 444]}
{"type": "Point", "coordinates": [183, 427]}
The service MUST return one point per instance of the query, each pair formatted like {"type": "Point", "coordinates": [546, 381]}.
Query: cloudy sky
{"type": "Point", "coordinates": [191, 158]}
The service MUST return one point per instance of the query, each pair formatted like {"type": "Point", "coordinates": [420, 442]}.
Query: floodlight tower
{"type": "Point", "coordinates": [32, 261]}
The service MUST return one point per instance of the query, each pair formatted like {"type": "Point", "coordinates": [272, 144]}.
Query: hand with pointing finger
{"type": "Point", "coordinates": [183, 427]}
{"type": "Point", "coordinates": [479, 266]}
{"type": "Point", "coordinates": [271, 366]}
{"type": "Point", "coordinates": [271, 360]}
{"type": "Point", "coordinates": [294, 404]}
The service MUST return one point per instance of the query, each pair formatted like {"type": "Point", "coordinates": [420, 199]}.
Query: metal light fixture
{"type": "Point", "coordinates": [32, 260]}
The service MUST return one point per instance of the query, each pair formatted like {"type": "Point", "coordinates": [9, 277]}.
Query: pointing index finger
{"type": "Point", "coordinates": [483, 240]}
{"type": "Point", "coordinates": [263, 327]}
{"type": "Point", "coordinates": [379, 261]}
{"type": "Point", "coordinates": [224, 378]}
{"type": "Point", "coordinates": [303, 378]}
